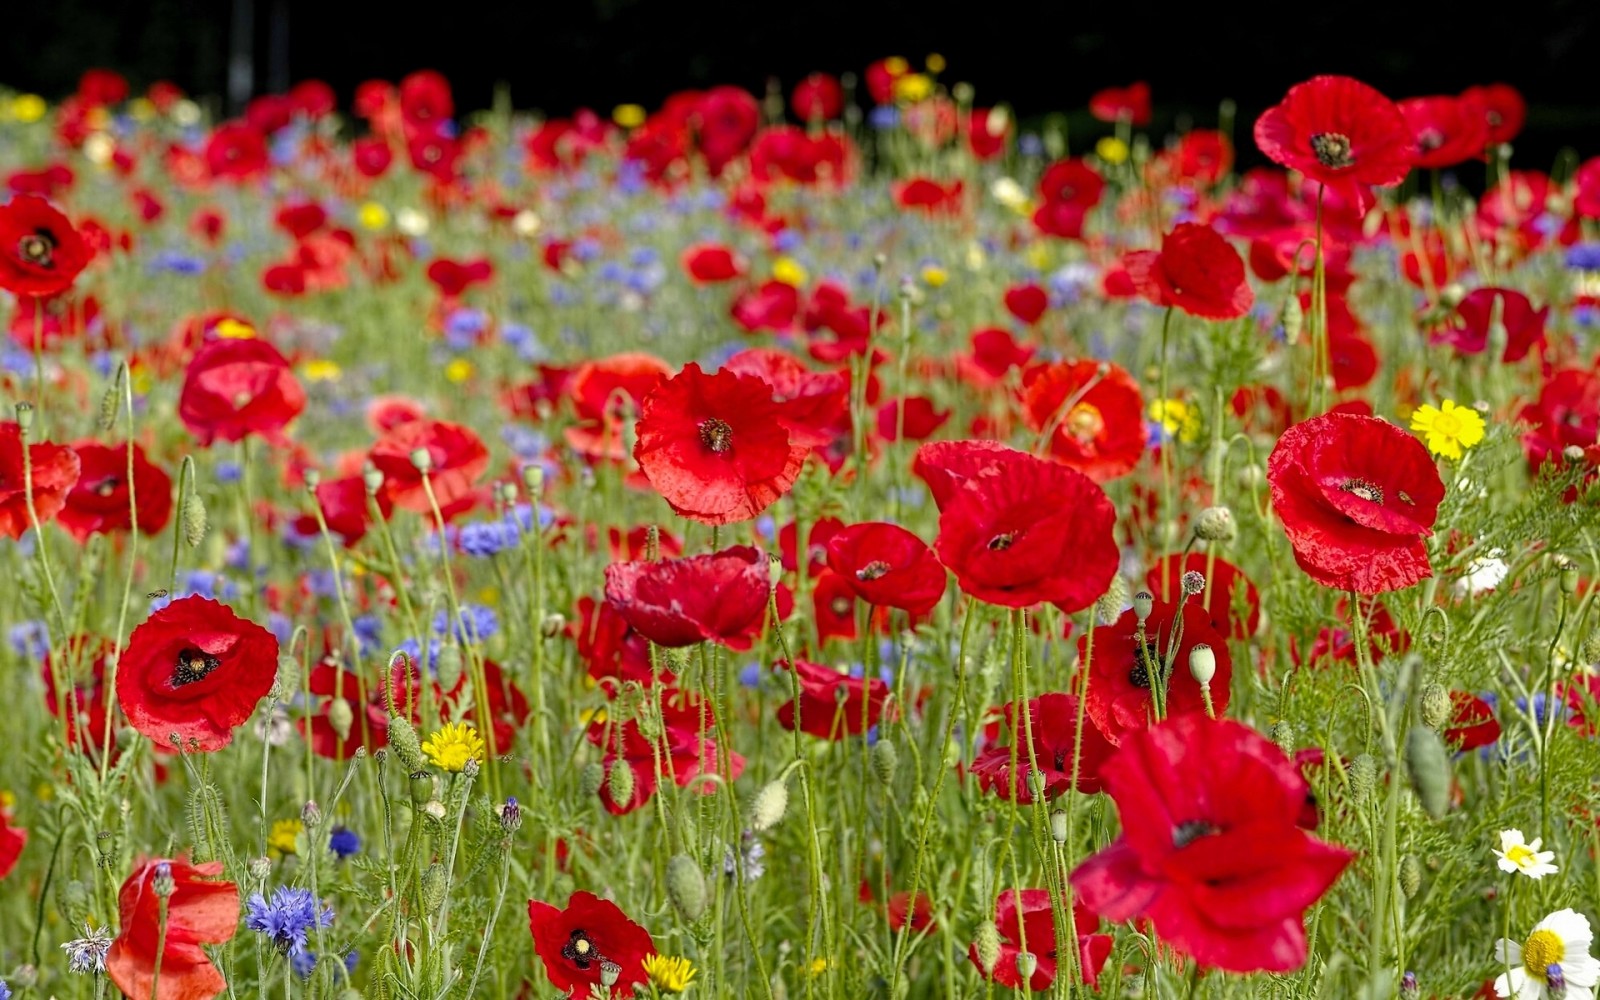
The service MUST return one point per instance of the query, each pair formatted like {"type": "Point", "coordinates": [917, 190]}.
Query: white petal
{"type": "Point", "coordinates": [1506, 865]}
{"type": "Point", "coordinates": [1578, 992]}
{"type": "Point", "coordinates": [1503, 990]}
{"type": "Point", "coordinates": [1531, 989]}
{"type": "Point", "coordinates": [1580, 969]}
{"type": "Point", "coordinates": [1508, 952]}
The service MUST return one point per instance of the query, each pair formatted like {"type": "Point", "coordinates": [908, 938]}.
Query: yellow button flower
{"type": "Point", "coordinates": [1111, 149]}
{"type": "Point", "coordinates": [458, 371]}
{"type": "Point", "coordinates": [789, 271]}
{"type": "Point", "coordinates": [373, 216]}
{"type": "Point", "coordinates": [233, 329]}
{"type": "Point", "coordinates": [935, 276]}
{"type": "Point", "coordinates": [669, 973]}
{"type": "Point", "coordinates": [451, 747]}
{"type": "Point", "coordinates": [28, 108]}
{"type": "Point", "coordinates": [321, 370]}
{"type": "Point", "coordinates": [628, 115]}
{"type": "Point", "coordinates": [913, 87]}
{"type": "Point", "coordinates": [1448, 428]}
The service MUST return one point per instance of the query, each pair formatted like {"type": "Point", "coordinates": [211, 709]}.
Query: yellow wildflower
{"type": "Point", "coordinates": [935, 276]}
{"type": "Point", "coordinates": [1177, 418]}
{"type": "Point", "coordinates": [1448, 428]}
{"type": "Point", "coordinates": [628, 115]}
{"type": "Point", "coordinates": [458, 370]}
{"type": "Point", "coordinates": [28, 108]}
{"type": "Point", "coordinates": [451, 747]}
{"type": "Point", "coordinates": [373, 216]}
{"type": "Point", "coordinates": [321, 370]}
{"type": "Point", "coordinates": [934, 63]}
{"type": "Point", "coordinates": [913, 87]}
{"type": "Point", "coordinates": [789, 271]}
{"type": "Point", "coordinates": [1111, 149]}
{"type": "Point", "coordinates": [669, 974]}
{"type": "Point", "coordinates": [285, 832]}
{"type": "Point", "coordinates": [233, 329]}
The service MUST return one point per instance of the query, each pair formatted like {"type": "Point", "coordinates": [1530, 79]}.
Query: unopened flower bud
{"type": "Point", "coordinates": [1143, 604]}
{"type": "Point", "coordinates": [311, 814]}
{"type": "Point", "coordinates": [193, 517]}
{"type": "Point", "coordinates": [421, 785]}
{"type": "Point", "coordinates": [341, 717]}
{"type": "Point", "coordinates": [1058, 826]}
{"type": "Point", "coordinates": [986, 943]}
{"type": "Point", "coordinates": [620, 783]}
{"type": "Point", "coordinates": [591, 778]}
{"type": "Point", "coordinates": [774, 571]}
{"type": "Point", "coordinates": [313, 479]}
{"type": "Point", "coordinates": [448, 666]}
{"type": "Point", "coordinates": [1569, 578]}
{"type": "Point", "coordinates": [1027, 964]}
{"type": "Point", "coordinates": [1409, 989]}
{"type": "Point", "coordinates": [259, 869]}
{"type": "Point", "coordinates": [769, 806]}
{"type": "Point", "coordinates": [1410, 876]}
{"type": "Point", "coordinates": [1202, 664]}
{"type": "Point", "coordinates": [108, 406]}
{"type": "Point", "coordinates": [403, 738]}
{"type": "Point", "coordinates": [422, 460]}
{"type": "Point", "coordinates": [1363, 777]}
{"type": "Point", "coordinates": [1293, 319]}
{"type": "Point", "coordinates": [1215, 524]}
{"type": "Point", "coordinates": [1434, 705]}
{"type": "Point", "coordinates": [1109, 607]}
{"type": "Point", "coordinates": [511, 815]}
{"type": "Point", "coordinates": [686, 887]}
{"type": "Point", "coordinates": [1428, 764]}
{"type": "Point", "coordinates": [163, 882]}
{"type": "Point", "coordinates": [1282, 733]}
{"type": "Point", "coordinates": [435, 810]}
{"type": "Point", "coordinates": [287, 682]}
{"type": "Point", "coordinates": [434, 887]}
{"type": "Point", "coordinates": [885, 758]}
{"type": "Point", "coordinates": [1451, 295]}
{"type": "Point", "coordinates": [553, 625]}
{"type": "Point", "coordinates": [1193, 582]}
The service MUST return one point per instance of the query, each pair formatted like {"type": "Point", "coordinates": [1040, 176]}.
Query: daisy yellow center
{"type": "Point", "coordinates": [1521, 855]}
{"type": "Point", "coordinates": [1542, 950]}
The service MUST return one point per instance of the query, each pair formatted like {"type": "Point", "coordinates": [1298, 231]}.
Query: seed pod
{"type": "Point", "coordinates": [193, 516]}
{"type": "Point", "coordinates": [1058, 826]}
{"type": "Point", "coordinates": [448, 666]}
{"type": "Point", "coordinates": [434, 887]}
{"type": "Point", "coordinates": [1410, 876]}
{"type": "Point", "coordinates": [591, 778]}
{"type": "Point", "coordinates": [1363, 777]}
{"type": "Point", "coordinates": [987, 945]}
{"type": "Point", "coordinates": [403, 738]}
{"type": "Point", "coordinates": [769, 806]}
{"type": "Point", "coordinates": [1434, 706]}
{"type": "Point", "coordinates": [620, 783]}
{"type": "Point", "coordinates": [686, 887]}
{"type": "Point", "coordinates": [422, 460]}
{"type": "Point", "coordinates": [1027, 964]}
{"type": "Point", "coordinates": [1215, 524]}
{"type": "Point", "coordinates": [1429, 766]}
{"type": "Point", "coordinates": [1202, 663]}
{"type": "Point", "coordinates": [885, 758]}
{"type": "Point", "coordinates": [1143, 604]}
{"type": "Point", "coordinates": [341, 717]}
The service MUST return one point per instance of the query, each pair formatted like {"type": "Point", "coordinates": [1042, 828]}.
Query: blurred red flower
{"type": "Point", "coordinates": [98, 503]}
{"type": "Point", "coordinates": [1503, 110]}
{"type": "Point", "coordinates": [886, 565]}
{"type": "Point", "coordinates": [235, 387]}
{"type": "Point", "coordinates": [456, 458]}
{"type": "Point", "coordinates": [818, 97]}
{"type": "Point", "coordinates": [1036, 923]}
{"type": "Point", "coordinates": [678, 602]}
{"type": "Point", "coordinates": [1102, 434]}
{"type": "Point", "coordinates": [54, 469]}
{"type": "Point", "coordinates": [1124, 669]}
{"type": "Point", "coordinates": [40, 252]}
{"type": "Point", "coordinates": [202, 910]}
{"type": "Point", "coordinates": [833, 705]}
{"type": "Point", "coordinates": [1469, 328]}
{"type": "Point", "coordinates": [1195, 270]}
{"type": "Point", "coordinates": [1130, 104]}
{"type": "Point", "coordinates": [1054, 721]}
{"type": "Point", "coordinates": [1446, 130]}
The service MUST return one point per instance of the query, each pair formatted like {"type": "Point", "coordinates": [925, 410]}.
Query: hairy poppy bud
{"type": "Point", "coordinates": [591, 778]}
{"type": "Point", "coordinates": [1363, 777]}
{"type": "Point", "coordinates": [986, 942]}
{"type": "Point", "coordinates": [403, 738]}
{"type": "Point", "coordinates": [769, 806]}
{"type": "Point", "coordinates": [1434, 706]}
{"type": "Point", "coordinates": [1282, 733]}
{"type": "Point", "coordinates": [1429, 766]}
{"type": "Point", "coordinates": [434, 887]}
{"type": "Point", "coordinates": [287, 683]}
{"type": "Point", "coordinates": [108, 405]}
{"type": "Point", "coordinates": [448, 666]}
{"type": "Point", "coordinates": [1293, 320]}
{"type": "Point", "coordinates": [193, 517]}
{"type": "Point", "coordinates": [620, 783]}
{"type": "Point", "coordinates": [686, 887]}
{"type": "Point", "coordinates": [884, 760]}
{"type": "Point", "coordinates": [1109, 607]}
{"type": "Point", "coordinates": [1215, 524]}
{"type": "Point", "coordinates": [1410, 876]}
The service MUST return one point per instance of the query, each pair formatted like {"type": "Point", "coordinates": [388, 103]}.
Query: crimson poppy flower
{"type": "Point", "coordinates": [833, 705]}
{"type": "Point", "coordinates": [577, 942]}
{"type": "Point", "coordinates": [453, 277]}
{"type": "Point", "coordinates": [1036, 923]}
{"type": "Point", "coordinates": [236, 151]}
{"type": "Point", "coordinates": [728, 118]}
{"type": "Point", "coordinates": [988, 132]}
{"type": "Point", "coordinates": [1210, 853]}
{"type": "Point", "coordinates": [1195, 270]}
{"type": "Point", "coordinates": [899, 908]}
{"type": "Point", "coordinates": [1468, 331]}
{"type": "Point", "coordinates": [600, 389]}
{"type": "Point", "coordinates": [1339, 132]}
{"type": "Point", "coordinates": [715, 446]}
{"type": "Point", "coordinates": [833, 603]}
{"type": "Point", "coordinates": [55, 469]}
{"type": "Point", "coordinates": [994, 353]}
{"type": "Point", "coordinates": [1054, 721]}
{"type": "Point", "coordinates": [1357, 496]}
{"type": "Point", "coordinates": [1129, 104]}
{"type": "Point", "coordinates": [678, 753]}
{"type": "Point", "coordinates": [1024, 531]}
{"type": "Point", "coordinates": [817, 98]}
{"type": "Point", "coordinates": [98, 503]}
{"type": "Point", "coordinates": [1129, 660]}
{"type": "Point", "coordinates": [772, 305]}
{"type": "Point", "coordinates": [1503, 110]}
{"type": "Point", "coordinates": [679, 602]}
{"type": "Point", "coordinates": [1103, 434]}
{"type": "Point", "coordinates": [325, 739]}
{"type": "Point", "coordinates": [194, 670]}
{"type": "Point", "coordinates": [40, 252]}
{"type": "Point", "coordinates": [235, 387]}
{"type": "Point", "coordinates": [613, 650]}
{"type": "Point", "coordinates": [1227, 589]}
{"type": "Point", "coordinates": [343, 502]}
{"type": "Point", "coordinates": [709, 263]}
{"type": "Point", "coordinates": [1203, 156]}
{"type": "Point", "coordinates": [1472, 723]}
{"type": "Point", "coordinates": [456, 457]}
{"type": "Point", "coordinates": [12, 840]}
{"type": "Point", "coordinates": [203, 909]}
{"type": "Point", "coordinates": [814, 405]}
{"type": "Point", "coordinates": [1027, 302]}
{"type": "Point", "coordinates": [1068, 189]}
{"type": "Point", "coordinates": [1447, 130]}
{"type": "Point", "coordinates": [102, 87]}
{"type": "Point", "coordinates": [886, 565]}
{"type": "Point", "coordinates": [1310, 760]}
{"type": "Point", "coordinates": [425, 97]}
{"type": "Point", "coordinates": [1566, 415]}
{"type": "Point", "coordinates": [915, 416]}
{"type": "Point", "coordinates": [928, 195]}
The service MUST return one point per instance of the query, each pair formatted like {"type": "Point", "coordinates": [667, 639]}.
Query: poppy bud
{"type": "Point", "coordinates": [1058, 826]}
{"type": "Point", "coordinates": [1293, 319]}
{"type": "Point", "coordinates": [1282, 733]}
{"type": "Point", "coordinates": [591, 778]}
{"type": "Point", "coordinates": [1215, 524]}
{"type": "Point", "coordinates": [74, 901]}
{"type": "Point", "coordinates": [1202, 664]}
{"type": "Point", "coordinates": [311, 814]}
{"type": "Point", "coordinates": [448, 666]}
{"type": "Point", "coordinates": [884, 760]}
{"type": "Point", "coordinates": [1429, 766]}
{"type": "Point", "coordinates": [1109, 607]}
{"type": "Point", "coordinates": [686, 887]}
{"type": "Point", "coordinates": [1143, 604]}
{"type": "Point", "coordinates": [24, 417]}
{"type": "Point", "coordinates": [620, 783]}
{"type": "Point", "coordinates": [769, 806]}
{"type": "Point", "coordinates": [507, 493]}
{"type": "Point", "coordinates": [287, 683]}
{"type": "Point", "coordinates": [1363, 777]}
{"type": "Point", "coordinates": [1569, 577]}
{"type": "Point", "coordinates": [1027, 962]}
{"type": "Point", "coordinates": [1410, 876]}
{"type": "Point", "coordinates": [987, 944]}
{"type": "Point", "coordinates": [421, 784]}
{"type": "Point", "coordinates": [341, 717]}
{"type": "Point", "coordinates": [372, 478]}
{"type": "Point", "coordinates": [434, 886]}
{"type": "Point", "coordinates": [1434, 706]}
{"type": "Point", "coordinates": [193, 516]}
{"type": "Point", "coordinates": [127, 736]}
{"type": "Point", "coordinates": [403, 737]}
{"type": "Point", "coordinates": [774, 571]}
{"type": "Point", "coordinates": [422, 460]}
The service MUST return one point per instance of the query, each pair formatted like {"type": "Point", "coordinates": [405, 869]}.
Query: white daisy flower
{"type": "Point", "coordinates": [1517, 855]}
{"type": "Point", "coordinates": [1553, 962]}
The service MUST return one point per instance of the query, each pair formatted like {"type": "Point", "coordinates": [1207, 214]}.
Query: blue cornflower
{"type": "Point", "coordinates": [884, 117]}
{"type": "Point", "coordinates": [5, 991]}
{"type": "Point", "coordinates": [174, 262]}
{"type": "Point", "coordinates": [462, 327]}
{"type": "Point", "coordinates": [477, 623]}
{"type": "Point", "coordinates": [1584, 257]}
{"type": "Point", "coordinates": [344, 841]}
{"type": "Point", "coordinates": [486, 538]}
{"type": "Point", "coordinates": [30, 640]}
{"type": "Point", "coordinates": [228, 472]}
{"type": "Point", "coordinates": [288, 919]}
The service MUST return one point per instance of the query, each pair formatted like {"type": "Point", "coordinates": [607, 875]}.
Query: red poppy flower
{"type": "Point", "coordinates": [601, 390]}
{"type": "Point", "coordinates": [1566, 415]}
{"type": "Point", "coordinates": [679, 602]}
{"type": "Point", "coordinates": [84, 702]}
{"type": "Point", "coordinates": [1468, 331]}
{"type": "Point", "coordinates": [1210, 853]}
{"type": "Point", "coordinates": [1124, 668]}
{"type": "Point", "coordinates": [1357, 496]}
{"type": "Point", "coordinates": [1037, 924]}
{"type": "Point", "coordinates": [1581, 695]}
{"type": "Point", "coordinates": [1129, 104]}
{"type": "Point", "coordinates": [916, 417]}
{"type": "Point", "coordinates": [1027, 302]}
{"type": "Point", "coordinates": [899, 908]}
{"type": "Point", "coordinates": [425, 97]}
{"type": "Point", "coordinates": [728, 118]}
{"type": "Point", "coordinates": [708, 263]}
{"type": "Point", "coordinates": [817, 98]}
{"type": "Point", "coordinates": [994, 353]}
{"type": "Point", "coordinates": [833, 705]}
{"type": "Point", "coordinates": [928, 195]}
{"type": "Point", "coordinates": [814, 405]}
{"type": "Point", "coordinates": [715, 446]}
{"type": "Point", "coordinates": [453, 277]}
{"type": "Point", "coordinates": [236, 151]}
{"type": "Point", "coordinates": [55, 470]}
{"type": "Point", "coordinates": [326, 685]}
{"type": "Point", "coordinates": [1054, 720]}
{"type": "Point", "coordinates": [614, 651]}
{"type": "Point", "coordinates": [202, 909]}
{"type": "Point", "coordinates": [235, 387]}
{"type": "Point", "coordinates": [773, 306]}
{"type": "Point", "coordinates": [1102, 435]}
{"type": "Point", "coordinates": [1231, 600]}
{"type": "Point", "coordinates": [344, 509]}
{"type": "Point", "coordinates": [834, 606]}
{"type": "Point", "coordinates": [457, 457]}
{"type": "Point", "coordinates": [1068, 189]}
{"type": "Point", "coordinates": [194, 670]}
{"type": "Point", "coordinates": [1503, 110]}
{"type": "Point", "coordinates": [1196, 270]}
{"type": "Point", "coordinates": [1204, 156]}
{"type": "Point", "coordinates": [886, 565]}
{"type": "Point", "coordinates": [101, 87]}
{"type": "Point", "coordinates": [1472, 723]}
{"type": "Point", "coordinates": [1447, 130]}
{"type": "Point", "coordinates": [98, 503]}
{"type": "Point", "coordinates": [40, 253]}
{"type": "Point", "coordinates": [12, 840]}
{"type": "Point", "coordinates": [679, 753]}
{"type": "Point", "coordinates": [988, 132]}
{"type": "Point", "coordinates": [577, 942]}
{"type": "Point", "coordinates": [1339, 132]}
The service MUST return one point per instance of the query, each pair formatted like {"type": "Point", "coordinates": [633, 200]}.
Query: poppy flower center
{"type": "Point", "coordinates": [1332, 150]}
{"type": "Point", "coordinates": [1002, 541]}
{"type": "Point", "coordinates": [1185, 834]}
{"type": "Point", "coordinates": [840, 607]}
{"type": "Point", "coordinates": [1144, 664]}
{"type": "Point", "coordinates": [1429, 139]}
{"type": "Point", "coordinates": [1085, 422]}
{"type": "Point", "coordinates": [1543, 949]}
{"type": "Point", "coordinates": [193, 666]}
{"type": "Point", "coordinates": [106, 487]}
{"type": "Point", "coordinates": [37, 248]}
{"type": "Point", "coordinates": [580, 950]}
{"type": "Point", "coordinates": [1366, 489]}
{"type": "Point", "coordinates": [873, 570]}
{"type": "Point", "coordinates": [716, 435]}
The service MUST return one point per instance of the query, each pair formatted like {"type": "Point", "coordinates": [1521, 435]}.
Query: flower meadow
{"type": "Point", "coordinates": [833, 543]}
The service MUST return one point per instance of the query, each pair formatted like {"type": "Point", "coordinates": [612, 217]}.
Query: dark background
{"type": "Point", "coordinates": [1040, 58]}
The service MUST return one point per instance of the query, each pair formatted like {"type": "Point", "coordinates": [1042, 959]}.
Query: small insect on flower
{"type": "Point", "coordinates": [1448, 429]}
{"type": "Point", "coordinates": [669, 973]}
{"type": "Point", "coordinates": [1518, 855]}
{"type": "Point", "coordinates": [451, 747]}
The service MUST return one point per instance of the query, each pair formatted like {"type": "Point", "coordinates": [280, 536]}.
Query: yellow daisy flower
{"type": "Point", "coordinates": [451, 747]}
{"type": "Point", "coordinates": [669, 973]}
{"type": "Point", "coordinates": [1448, 428]}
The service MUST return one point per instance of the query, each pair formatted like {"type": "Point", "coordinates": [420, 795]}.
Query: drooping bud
{"type": "Point", "coordinates": [108, 404]}
{"type": "Point", "coordinates": [1109, 607]}
{"type": "Point", "coordinates": [1428, 764]}
{"type": "Point", "coordinates": [1202, 664]}
{"type": "Point", "coordinates": [341, 717]}
{"type": "Point", "coordinates": [591, 778]}
{"type": "Point", "coordinates": [686, 887]}
{"type": "Point", "coordinates": [1282, 733]}
{"type": "Point", "coordinates": [769, 806]}
{"type": "Point", "coordinates": [986, 943]}
{"type": "Point", "coordinates": [287, 682]}
{"type": "Point", "coordinates": [434, 886]}
{"type": "Point", "coordinates": [1363, 777]}
{"type": "Point", "coordinates": [403, 738]}
{"type": "Point", "coordinates": [885, 758]}
{"type": "Point", "coordinates": [1215, 524]}
{"type": "Point", "coordinates": [448, 665]}
{"type": "Point", "coordinates": [193, 517]}
{"type": "Point", "coordinates": [620, 783]}
{"type": "Point", "coordinates": [1293, 319]}
{"type": "Point", "coordinates": [311, 814]}
{"type": "Point", "coordinates": [1434, 705]}
{"type": "Point", "coordinates": [1410, 876]}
